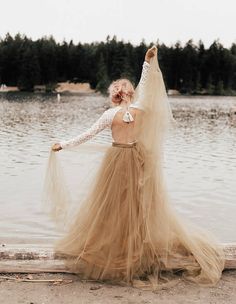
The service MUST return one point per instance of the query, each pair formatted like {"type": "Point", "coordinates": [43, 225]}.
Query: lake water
{"type": "Point", "coordinates": [200, 160]}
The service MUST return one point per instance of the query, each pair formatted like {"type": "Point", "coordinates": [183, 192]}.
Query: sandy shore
{"type": "Point", "coordinates": [73, 87]}
{"type": "Point", "coordinates": [73, 291]}
{"type": "Point", "coordinates": [9, 89]}
{"type": "Point", "coordinates": [62, 87]}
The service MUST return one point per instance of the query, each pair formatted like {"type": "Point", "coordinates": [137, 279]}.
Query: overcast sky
{"type": "Point", "coordinates": [131, 20]}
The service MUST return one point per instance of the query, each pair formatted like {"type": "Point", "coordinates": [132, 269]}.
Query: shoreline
{"type": "Point", "coordinates": [60, 287]}
{"type": "Point", "coordinates": [66, 288]}
{"type": "Point", "coordinates": [70, 88]}
{"type": "Point", "coordinates": [96, 93]}
{"type": "Point", "coordinates": [28, 258]}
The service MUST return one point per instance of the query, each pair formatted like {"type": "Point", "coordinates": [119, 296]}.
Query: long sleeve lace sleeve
{"type": "Point", "coordinates": [103, 122]}
{"type": "Point", "coordinates": [141, 85]}
{"type": "Point", "coordinates": [144, 74]}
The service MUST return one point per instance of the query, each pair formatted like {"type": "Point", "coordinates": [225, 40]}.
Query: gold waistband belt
{"type": "Point", "coordinates": [124, 145]}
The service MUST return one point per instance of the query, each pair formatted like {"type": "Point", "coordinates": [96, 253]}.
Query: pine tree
{"type": "Point", "coordinates": [29, 71]}
{"type": "Point", "coordinates": [102, 76]}
{"type": "Point", "coordinates": [219, 89]}
{"type": "Point", "coordinates": [210, 86]}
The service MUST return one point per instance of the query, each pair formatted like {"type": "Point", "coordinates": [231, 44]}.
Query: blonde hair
{"type": "Point", "coordinates": [119, 88]}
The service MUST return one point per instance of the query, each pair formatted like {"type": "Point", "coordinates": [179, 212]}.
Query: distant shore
{"type": "Point", "coordinates": [61, 87]}
{"type": "Point", "coordinates": [85, 88]}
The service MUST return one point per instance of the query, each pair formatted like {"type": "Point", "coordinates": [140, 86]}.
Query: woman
{"type": "Point", "coordinates": [126, 229]}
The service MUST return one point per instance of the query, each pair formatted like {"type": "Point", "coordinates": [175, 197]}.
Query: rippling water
{"type": "Point", "coordinates": [200, 159]}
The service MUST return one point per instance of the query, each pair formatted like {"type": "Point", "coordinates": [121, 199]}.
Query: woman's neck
{"type": "Point", "coordinates": [126, 101]}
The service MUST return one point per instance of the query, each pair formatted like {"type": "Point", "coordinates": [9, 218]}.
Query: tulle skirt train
{"type": "Point", "coordinates": [113, 237]}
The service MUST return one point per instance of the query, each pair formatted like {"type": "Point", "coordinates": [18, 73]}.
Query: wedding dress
{"type": "Point", "coordinates": [126, 229]}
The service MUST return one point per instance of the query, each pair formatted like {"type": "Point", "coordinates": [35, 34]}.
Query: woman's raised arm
{"type": "Point", "coordinates": [150, 53]}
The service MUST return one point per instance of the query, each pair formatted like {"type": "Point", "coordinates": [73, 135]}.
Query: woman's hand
{"type": "Point", "coordinates": [150, 53]}
{"type": "Point", "coordinates": [56, 147]}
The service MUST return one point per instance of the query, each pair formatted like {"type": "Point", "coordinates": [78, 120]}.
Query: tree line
{"type": "Point", "coordinates": [189, 68]}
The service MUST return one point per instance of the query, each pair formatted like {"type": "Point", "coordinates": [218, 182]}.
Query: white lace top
{"type": "Point", "coordinates": [105, 120]}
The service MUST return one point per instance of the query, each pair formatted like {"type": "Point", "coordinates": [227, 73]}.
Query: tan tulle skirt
{"type": "Point", "coordinates": [113, 238]}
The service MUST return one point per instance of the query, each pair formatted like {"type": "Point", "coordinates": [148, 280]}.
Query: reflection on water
{"type": "Point", "coordinates": [200, 159]}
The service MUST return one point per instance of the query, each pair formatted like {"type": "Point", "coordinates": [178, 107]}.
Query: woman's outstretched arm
{"type": "Point", "coordinates": [103, 122]}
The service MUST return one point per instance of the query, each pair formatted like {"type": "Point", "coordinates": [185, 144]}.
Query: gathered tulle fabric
{"type": "Point", "coordinates": [126, 229]}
